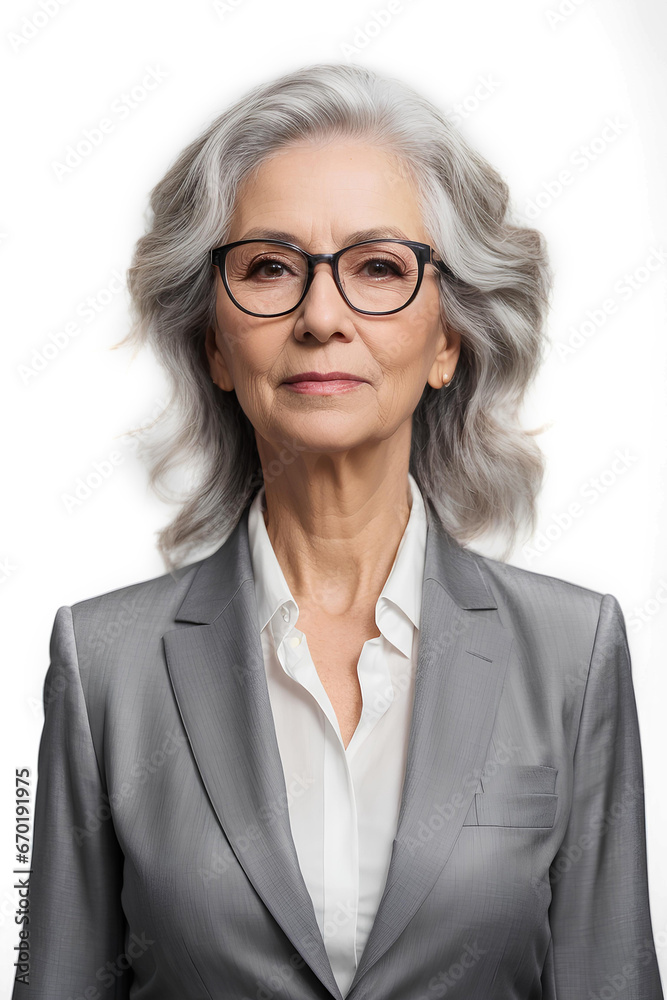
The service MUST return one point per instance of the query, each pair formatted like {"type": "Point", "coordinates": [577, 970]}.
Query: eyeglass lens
{"type": "Point", "coordinates": [265, 278]}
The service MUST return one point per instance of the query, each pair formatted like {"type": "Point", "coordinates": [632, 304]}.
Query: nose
{"type": "Point", "coordinates": [324, 312]}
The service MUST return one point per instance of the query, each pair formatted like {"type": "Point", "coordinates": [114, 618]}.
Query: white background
{"type": "Point", "coordinates": [552, 82]}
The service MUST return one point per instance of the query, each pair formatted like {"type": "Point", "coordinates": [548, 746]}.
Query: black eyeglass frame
{"type": "Point", "coordinates": [424, 253]}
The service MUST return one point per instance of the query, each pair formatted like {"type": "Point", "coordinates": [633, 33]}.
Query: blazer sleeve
{"type": "Point", "coordinates": [76, 926]}
{"type": "Point", "coordinates": [601, 933]}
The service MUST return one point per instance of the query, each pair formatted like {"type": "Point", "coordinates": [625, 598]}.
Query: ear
{"type": "Point", "coordinates": [444, 364]}
{"type": "Point", "coordinates": [217, 365]}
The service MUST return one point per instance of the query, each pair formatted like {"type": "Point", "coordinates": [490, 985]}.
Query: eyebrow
{"type": "Point", "coordinates": [358, 236]}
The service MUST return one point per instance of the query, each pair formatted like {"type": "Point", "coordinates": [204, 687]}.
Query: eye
{"type": "Point", "coordinates": [268, 267]}
{"type": "Point", "coordinates": [379, 268]}
{"type": "Point", "coordinates": [378, 263]}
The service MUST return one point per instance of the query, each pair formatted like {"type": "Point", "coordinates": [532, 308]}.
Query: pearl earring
{"type": "Point", "coordinates": [445, 379]}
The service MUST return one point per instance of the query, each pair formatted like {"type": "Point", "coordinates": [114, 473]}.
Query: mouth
{"type": "Point", "coordinates": [324, 377]}
{"type": "Point", "coordinates": [323, 383]}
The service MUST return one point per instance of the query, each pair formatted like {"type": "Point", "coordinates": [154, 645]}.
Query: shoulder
{"type": "Point", "coordinates": [540, 601]}
{"type": "Point", "coordinates": [134, 617]}
{"type": "Point", "coordinates": [563, 633]}
{"type": "Point", "coordinates": [113, 644]}
{"type": "Point", "coordinates": [156, 598]}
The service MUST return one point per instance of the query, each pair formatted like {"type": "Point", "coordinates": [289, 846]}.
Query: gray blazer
{"type": "Point", "coordinates": [163, 865]}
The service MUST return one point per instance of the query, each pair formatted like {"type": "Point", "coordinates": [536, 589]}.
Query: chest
{"type": "Point", "coordinates": [335, 644]}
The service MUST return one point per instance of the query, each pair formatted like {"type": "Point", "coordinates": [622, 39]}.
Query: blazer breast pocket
{"type": "Point", "coordinates": [518, 795]}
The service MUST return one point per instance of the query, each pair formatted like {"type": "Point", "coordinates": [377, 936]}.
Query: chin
{"type": "Point", "coordinates": [327, 436]}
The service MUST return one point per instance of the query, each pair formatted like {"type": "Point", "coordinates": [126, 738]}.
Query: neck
{"type": "Point", "coordinates": [335, 522]}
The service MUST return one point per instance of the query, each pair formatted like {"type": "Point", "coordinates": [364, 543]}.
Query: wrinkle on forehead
{"type": "Point", "coordinates": [327, 197]}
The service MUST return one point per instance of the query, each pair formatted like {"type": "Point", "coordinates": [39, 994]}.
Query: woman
{"type": "Point", "coordinates": [343, 755]}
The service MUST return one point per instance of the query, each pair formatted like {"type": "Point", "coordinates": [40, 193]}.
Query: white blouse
{"type": "Point", "coordinates": [343, 802]}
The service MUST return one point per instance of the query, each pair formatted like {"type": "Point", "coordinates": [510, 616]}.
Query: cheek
{"type": "Point", "coordinates": [410, 349]}
{"type": "Point", "coordinates": [233, 330]}
{"type": "Point", "coordinates": [247, 351]}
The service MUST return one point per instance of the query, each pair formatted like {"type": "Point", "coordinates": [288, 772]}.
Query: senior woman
{"type": "Point", "coordinates": [344, 754]}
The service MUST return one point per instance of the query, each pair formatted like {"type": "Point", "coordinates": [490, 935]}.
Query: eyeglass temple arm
{"type": "Point", "coordinates": [440, 264]}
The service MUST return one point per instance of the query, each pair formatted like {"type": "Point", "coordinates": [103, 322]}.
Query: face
{"type": "Point", "coordinates": [322, 196]}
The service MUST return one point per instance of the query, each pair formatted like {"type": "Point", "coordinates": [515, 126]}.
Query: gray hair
{"type": "Point", "coordinates": [478, 469]}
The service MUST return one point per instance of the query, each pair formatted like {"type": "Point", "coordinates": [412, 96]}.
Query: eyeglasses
{"type": "Point", "coordinates": [272, 278]}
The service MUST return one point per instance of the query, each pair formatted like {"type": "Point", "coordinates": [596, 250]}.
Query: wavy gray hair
{"type": "Point", "coordinates": [475, 465]}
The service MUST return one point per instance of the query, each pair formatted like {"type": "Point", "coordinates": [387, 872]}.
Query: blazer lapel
{"type": "Point", "coordinates": [462, 661]}
{"type": "Point", "coordinates": [217, 671]}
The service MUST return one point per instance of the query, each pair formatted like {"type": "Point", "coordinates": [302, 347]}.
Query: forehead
{"type": "Point", "coordinates": [326, 190]}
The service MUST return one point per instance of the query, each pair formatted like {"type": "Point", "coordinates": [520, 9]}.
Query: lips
{"type": "Point", "coordinates": [324, 377]}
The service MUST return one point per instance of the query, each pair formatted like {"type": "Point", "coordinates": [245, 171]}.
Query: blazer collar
{"type": "Point", "coordinates": [215, 662]}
